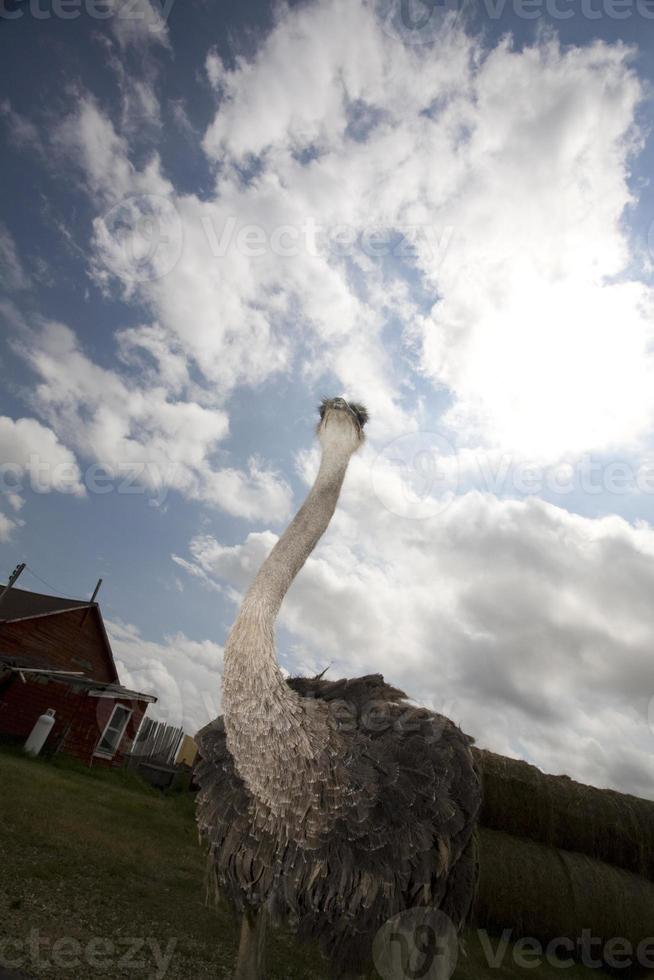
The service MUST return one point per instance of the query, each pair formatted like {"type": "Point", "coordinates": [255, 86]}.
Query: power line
{"type": "Point", "coordinates": [49, 585]}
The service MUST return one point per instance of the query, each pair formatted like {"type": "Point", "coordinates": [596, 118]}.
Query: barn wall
{"type": "Point", "coordinates": [79, 719]}
{"type": "Point", "coordinates": [60, 641]}
{"type": "Point", "coordinates": [22, 703]}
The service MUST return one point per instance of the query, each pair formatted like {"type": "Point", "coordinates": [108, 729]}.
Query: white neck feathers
{"type": "Point", "coordinates": [278, 740]}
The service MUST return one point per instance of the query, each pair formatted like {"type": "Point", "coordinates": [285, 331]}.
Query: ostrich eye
{"type": "Point", "coordinates": [360, 412]}
{"type": "Point", "coordinates": [325, 403]}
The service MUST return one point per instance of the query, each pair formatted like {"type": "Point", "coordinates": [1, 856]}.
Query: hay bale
{"type": "Point", "coordinates": [543, 892]}
{"type": "Point", "coordinates": [521, 800]}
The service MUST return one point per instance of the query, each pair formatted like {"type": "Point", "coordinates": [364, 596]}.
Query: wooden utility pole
{"type": "Point", "coordinates": [12, 578]}
{"type": "Point", "coordinates": [96, 590]}
{"type": "Point", "coordinates": [91, 601]}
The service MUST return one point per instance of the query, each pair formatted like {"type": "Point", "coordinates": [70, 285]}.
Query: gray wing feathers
{"type": "Point", "coordinates": [404, 835]}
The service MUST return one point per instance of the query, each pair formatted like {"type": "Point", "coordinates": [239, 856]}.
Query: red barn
{"type": "Point", "coordinates": [55, 653]}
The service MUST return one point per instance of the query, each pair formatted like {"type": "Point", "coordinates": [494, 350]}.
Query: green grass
{"type": "Point", "coordinates": [96, 854]}
{"type": "Point", "coordinates": [99, 855]}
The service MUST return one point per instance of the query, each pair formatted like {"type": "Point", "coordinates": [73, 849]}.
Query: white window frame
{"type": "Point", "coordinates": [104, 753]}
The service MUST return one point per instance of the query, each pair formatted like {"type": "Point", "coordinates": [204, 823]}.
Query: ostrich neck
{"type": "Point", "coordinates": [300, 537]}
{"type": "Point", "coordinates": [278, 740]}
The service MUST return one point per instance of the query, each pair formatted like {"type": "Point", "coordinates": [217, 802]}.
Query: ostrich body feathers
{"type": "Point", "coordinates": [403, 834]}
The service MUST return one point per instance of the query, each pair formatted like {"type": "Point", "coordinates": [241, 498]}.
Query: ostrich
{"type": "Point", "coordinates": [333, 804]}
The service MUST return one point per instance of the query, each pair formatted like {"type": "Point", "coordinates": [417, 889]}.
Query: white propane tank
{"type": "Point", "coordinates": [42, 728]}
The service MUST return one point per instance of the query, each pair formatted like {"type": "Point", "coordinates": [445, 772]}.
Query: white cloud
{"type": "Point", "coordinates": [140, 22]}
{"type": "Point", "coordinates": [140, 108]}
{"type": "Point", "coordinates": [12, 274]}
{"type": "Point", "coordinates": [142, 105]}
{"type": "Point", "coordinates": [155, 355]}
{"type": "Point", "coordinates": [185, 674]}
{"type": "Point", "coordinates": [15, 501]}
{"type": "Point", "coordinates": [134, 428]}
{"type": "Point", "coordinates": [236, 564]}
{"type": "Point", "coordinates": [179, 112]}
{"type": "Point", "coordinates": [227, 301]}
{"type": "Point", "coordinates": [90, 139]}
{"type": "Point", "coordinates": [22, 131]}
{"type": "Point", "coordinates": [197, 572]}
{"type": "Point", "coordinates": [225, 311]}
{"type": "Point", "coordinates": [253, 494]}
{"type": "Point", "coordinates": [7, 527]}
{"type": "Point", "coordinates": [543, 353]}
{"type": "Point", "coordinates": [527, 317]}
{"type": "Point", "coordinates": [31, 455]}
{"type": "Point", "coordinates": [319, 65]}
{"type": "Point", "coordinates": [117, 420]}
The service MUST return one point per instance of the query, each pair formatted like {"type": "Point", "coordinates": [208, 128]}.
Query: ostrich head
{"type": "Point", "coordinates": [341, 424]}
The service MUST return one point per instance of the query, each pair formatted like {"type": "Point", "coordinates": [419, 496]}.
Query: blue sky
{"type": "Point", "coordinates": [212, 216]}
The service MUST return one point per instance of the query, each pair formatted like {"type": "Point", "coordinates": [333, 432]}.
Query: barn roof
{"type": "Point", "coordinates": [74, 678]}
{"type": "Point", "coordinates": [19, 604]}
